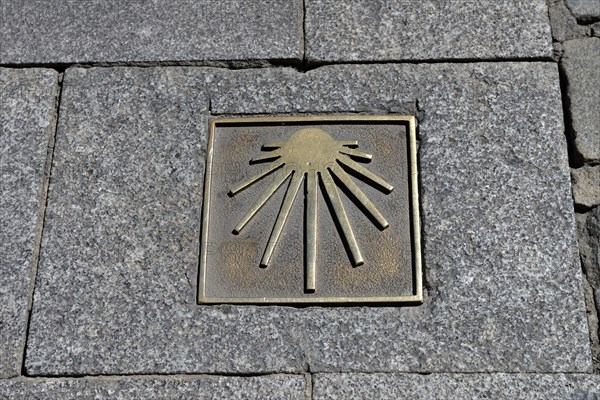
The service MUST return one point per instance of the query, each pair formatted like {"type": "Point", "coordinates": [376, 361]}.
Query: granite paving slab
{"type": "Point", "coordinates": [117, 279]}
{"type": "Point", "coordinates": [500, 249]}
{"type": "Point", "coordinates": [456, 386]}
{"type": "Point", "coordinates": [117, 287]}
{"type": "Point", "coordinates": [27, 118]}
{"type": "Point", "coordinates": [581, 65]}
{"type": "Point", "coordinates": [383, 30]}
{"type": "Point", "coordinates": [73, 31]}
{"type": "Point", "coordinates": [285, 387]}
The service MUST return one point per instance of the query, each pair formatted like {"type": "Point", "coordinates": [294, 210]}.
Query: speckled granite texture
{"type": "Point", "coordinates": [586, 185]}
{"type": "Point", "coordinates": [589, 246]}
{"type": "Point", "coordinates": [585, 10]}
{"type": "Point", "coordinates": [284, 387]}
{"type": "Point", "coordinates": [456, 386]}
{"type": "Point", "coordinates": [116, 286]}
{"type": "Point", "coordinates": [384, 30]}
{"type": "Point", "coordinates": [27, 118]}
{"type": "Point", "coordinates": [581, 66]}
{"type": "Point", "coordinates": [511, 301]}
{"type": "Point", "coordinates": [563, 23]}
{"type": "Point", "coordinates": [46, 31]}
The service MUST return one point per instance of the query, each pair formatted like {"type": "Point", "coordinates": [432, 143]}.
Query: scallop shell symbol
{"type": "Point", "coordinates": [311, 155]}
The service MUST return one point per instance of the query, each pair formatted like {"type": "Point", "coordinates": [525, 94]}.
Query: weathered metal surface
{"type": "Point", "coordinates": [311, 210]}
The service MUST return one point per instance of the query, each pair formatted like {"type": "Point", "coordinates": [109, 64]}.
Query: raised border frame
{"type": "Point", "coordinates": [415, 298]}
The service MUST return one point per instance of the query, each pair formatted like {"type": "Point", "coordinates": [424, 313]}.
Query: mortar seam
{"type": "Point", "coordinates": [43, 204]}
{"type": "Point", "coordinates": [178, 375]}
{"type": "Point", "coordinates": [301, 65]}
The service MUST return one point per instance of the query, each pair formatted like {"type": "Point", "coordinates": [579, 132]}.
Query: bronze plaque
{"type": "Point", "coordinates": [311, 210]}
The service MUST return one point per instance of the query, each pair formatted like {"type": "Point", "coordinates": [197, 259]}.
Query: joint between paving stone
{"type": "Point", "coordinates": [43, 203]}
{"type": "Point", "coordinates": [164, 376]}
{"type": "Point", "coordinates": [223, 64]}
{"type": "Point", "coordinates": [575, 158]}
{"type": "Point", "coordinates": [299, 65]}
{"type": "Point", "coordinates": [309, 384]}
{"type": "Point", "coordinates": [304, 33]}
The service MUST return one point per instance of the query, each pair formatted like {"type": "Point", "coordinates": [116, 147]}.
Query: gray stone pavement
{"type": "Point", "coordinates": [383, 30]}
{"type": "Point", "coordinates": [43, 31]}
{"type": "Point", "coordinates": [116, 281]}
{"type": "Point", "coordinates": [284, 387]}
{"type": "Point", "coordinates": [76, 31]}
{"type": "Point", "coordinates": [94, 31]}
{"type": "Point", "coordinates": [508, 312]}
{"type": "Point", "coordinates": [456, 386]}
{"type": "Point", "coordinates": [27, 117]}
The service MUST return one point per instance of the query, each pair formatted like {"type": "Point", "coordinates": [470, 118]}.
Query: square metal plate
{"type": "Point", "coordinates": [319, 209]}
